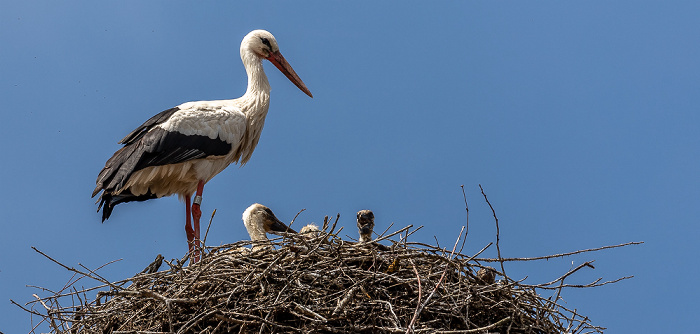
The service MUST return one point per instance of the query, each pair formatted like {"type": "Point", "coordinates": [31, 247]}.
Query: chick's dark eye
{"type": "Point", "coordinates": [265, 41]}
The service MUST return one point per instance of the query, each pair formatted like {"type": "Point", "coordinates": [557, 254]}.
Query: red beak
{"type": "Point", "coordinates": [278, 60]}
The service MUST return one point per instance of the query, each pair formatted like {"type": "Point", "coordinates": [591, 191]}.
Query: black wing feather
{"type": "Point", "coordinates": [147, 125]}
{"type": "Point", "coordinates": [157, 147]}
{"type": "Point", "coordinates": [164, 148]}
{"type": "Point", "coordinates": [149, 146]}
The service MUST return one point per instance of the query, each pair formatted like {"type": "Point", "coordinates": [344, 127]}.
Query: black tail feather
{"type": "Point", "coordinates": [108, 201]}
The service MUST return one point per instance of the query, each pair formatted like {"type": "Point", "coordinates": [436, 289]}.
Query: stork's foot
{"type": "Point", "coordinates": [194, 251]}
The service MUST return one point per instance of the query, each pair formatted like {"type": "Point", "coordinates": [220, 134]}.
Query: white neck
{"type": "Point", "coordinates": [255, 230]}
{"type": "Point", "coordinates": [258, 90]}
{"type": "Point", "coordinates": [257, 234]}
{"type": "Point", "coordinates": [254, 103]}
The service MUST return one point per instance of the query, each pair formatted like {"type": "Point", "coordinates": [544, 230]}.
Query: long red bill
{"type": "Point", "coordinates": [278, 60]}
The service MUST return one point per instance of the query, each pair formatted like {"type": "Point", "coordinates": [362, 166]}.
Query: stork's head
{"type": "Point", "coordinates": [365, 223]}
{"type": "Point", "coordinates": [261, 42]}
{"type": "Point", "coordinates": [264, 45]}
{"type": "Point", "coordinates": [259, 219]}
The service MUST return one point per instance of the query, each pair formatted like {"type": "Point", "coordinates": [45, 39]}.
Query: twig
{"type": "Point", "coordinates": [346, 299]}
{"type": "Point", "coordinates": [393, 234]}
{"type": "Point", "coordinates": [309, 312]}
{"type": "Point", "coordinates": [78, 271]}
{"type": "Point", "coordinates": [480, 329]}
{"type": "Point", "coordinates": [295, 217]}
{"type": "Point", "coordinates": [498, 231]}
{"type": "Point", "coordinates": [547, 257]}
{"type": "Point", "coordinates": [204, 242]}
{"type": "Point", "coordinates": [419, 310]}
{"type": "Point", "coordinates": [409, 328]}
{"type": "Point", "coordinates": [466, 207]}
{"type": "Point", "coordinates": [386, 230]}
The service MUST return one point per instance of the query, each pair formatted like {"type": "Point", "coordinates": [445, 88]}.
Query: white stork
{"type": "Point", "coordinates": [180, 149]}
{"type": "Point", "coordinates": [259, 220]}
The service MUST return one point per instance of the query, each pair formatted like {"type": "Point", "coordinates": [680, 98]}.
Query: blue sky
{"type": "Point", "coordinates": [580, 120]}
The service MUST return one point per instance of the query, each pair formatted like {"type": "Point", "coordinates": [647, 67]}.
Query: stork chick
{"type": "Point", "coordinates": [486, 275]}
{"type": "Point", "coordinates": [365, 223]}
{"type": "Point", "coordinates": [259, 220]}
{"type": "Point", "coordinates": [310, 230]}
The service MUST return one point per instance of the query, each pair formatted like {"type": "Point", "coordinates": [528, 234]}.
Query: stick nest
{"type": "Point", "coordinates": [321, 284]}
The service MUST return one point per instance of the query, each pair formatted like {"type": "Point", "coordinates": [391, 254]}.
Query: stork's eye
{"type": "Point", "coordinates": [266, 42]}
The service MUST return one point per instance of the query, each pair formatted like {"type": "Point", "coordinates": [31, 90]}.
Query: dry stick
{"type": "Point", "coordinates": [194, 321]}
{"type": "Point", "coordinates": [395, 320]}
{"type": "Point", "coordinates": [479, 252]}
{"type": "Point", "coordinates": [48, 312]}
{"type": "Point", "coordinates": [204, 242]}
{"type": "Point", "coordinates": [567, 274]}
{"type": "Point", "coordinates": [581, 322]}
{"type": "Point", "coordinates": [437, 244]}
{"type": "Point", "coordinates": [284, 234]}
{"type": "Point", "coordinates": [393, 234]}
{"type": "Point", "coordinates": [295, 217]}
{"type": "Point", "coordinates": [258, 319]}
{"type": "Point", "coordinates": [325, 223]}
{"type": "Point", "coordinates": [78, 271]}
{"type": "Point", "coordinates": [409, 328]}
{"type": "Point", "coordinates": [419, 310]}
{"type": "Point", "coordinates": [346, 299]}
{"type": "Point", "coordinates": [140, 332]}
{"type": "Point", "coordinates": [408, 234]}
{"type": "Point", "coordinates": [387, 229]}
{"type": "Point", "coordinates": [332, 226]}
{"type": "Point", "coordinates": [547, 257]}
{"type": "Point", "coordinates": [589, 285]}
{"type": "Point", "coordinates": [93, 272]}
{"type": "Point", "coordinates": [28, 310]}
{"type": "Point", "coordinates": [70, 284]}
{"type": "Point", "coordinates": [308, 311]}
{"type": "Point", "coordinates": [466, 206]}
{"type": "Point", "coordinates": [31, 319]}
{"type": "Point", "coordinates": [58, 295]}
{"type": "Point", "coordinates": [478, 330]}
{"type": "Point", "coordinates": [498, 232]}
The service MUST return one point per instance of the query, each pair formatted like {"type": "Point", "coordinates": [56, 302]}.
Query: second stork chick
{"type": "Point", "coordinates": [365, 223]}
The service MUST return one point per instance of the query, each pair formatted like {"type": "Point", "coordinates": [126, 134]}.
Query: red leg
{"type": "Point", "coordinates": [197, 214]}
{"type": "Point", "coordinates": [188, 226]}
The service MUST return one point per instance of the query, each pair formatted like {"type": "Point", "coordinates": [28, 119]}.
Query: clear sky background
{"type": "Point", "coordinates": [579, 119]}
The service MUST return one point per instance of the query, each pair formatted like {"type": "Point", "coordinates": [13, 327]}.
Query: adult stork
{"type": "Point", "coordinates": [180, 149]}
